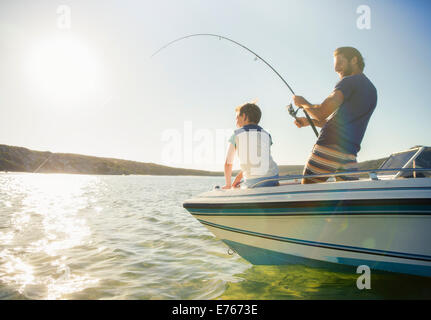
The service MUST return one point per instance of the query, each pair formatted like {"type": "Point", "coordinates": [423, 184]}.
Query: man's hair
{"type": "Point", "coordinates": [349, 53]}
{"type": "Point", "coordinates": [251, 111]}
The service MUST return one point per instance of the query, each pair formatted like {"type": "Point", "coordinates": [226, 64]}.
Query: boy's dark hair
{"type": "Point", "coordinates": [251, 111]}
{"type": "Point", "coordinates": [349, 53]}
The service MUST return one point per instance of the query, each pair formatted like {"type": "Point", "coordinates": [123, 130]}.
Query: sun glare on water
{"type": "Point", "coordinates": [45, 228]}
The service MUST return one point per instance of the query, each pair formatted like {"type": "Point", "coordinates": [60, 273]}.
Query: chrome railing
{"type": "Point", "coordinates": [372, 173]}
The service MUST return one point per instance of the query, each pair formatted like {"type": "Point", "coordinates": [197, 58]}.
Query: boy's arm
{"type": "Point", "coordinates": [237, 180]}
{"type": "Point", "coordinates": [228, 166]}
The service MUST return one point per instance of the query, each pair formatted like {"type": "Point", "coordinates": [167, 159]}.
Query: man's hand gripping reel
{"type": "Point", "coordinates": [293, 113]}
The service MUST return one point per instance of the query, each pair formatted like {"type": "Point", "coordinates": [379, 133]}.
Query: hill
{"type": "Point", "coordinates": [19, 159]}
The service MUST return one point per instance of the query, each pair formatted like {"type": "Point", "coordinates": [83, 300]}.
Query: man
{"type": "Point", "coordinates": [343, 117]}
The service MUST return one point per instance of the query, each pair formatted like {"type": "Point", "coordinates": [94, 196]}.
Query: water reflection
{"type": "Point", "coordinates": [107, 237]}
{"type": "Point", "coordinates": [45, 223]}
{"type": "Point", "coordinates": [300, 282]}
{"type": "Point", "coordinates": [128, 237]}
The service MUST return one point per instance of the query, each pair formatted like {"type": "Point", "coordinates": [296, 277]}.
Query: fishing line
{"type": "Point", "coordinates": [256, 56]}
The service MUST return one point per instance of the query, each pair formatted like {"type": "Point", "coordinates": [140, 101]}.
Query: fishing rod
{"type": "Point", "coordinates": [292, 112]}
{"type": "Point", "coordinates": [43, 163]}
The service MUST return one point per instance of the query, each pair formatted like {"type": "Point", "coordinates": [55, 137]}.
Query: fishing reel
{"type": "Point", "coordinates": [292, 111]}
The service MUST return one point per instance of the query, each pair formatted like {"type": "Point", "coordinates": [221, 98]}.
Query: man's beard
{"type": "Point", "coordinates": [348, 71]}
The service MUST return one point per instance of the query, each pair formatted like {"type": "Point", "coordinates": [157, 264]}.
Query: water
{"type": "Point", "coordinates": [128, 237]}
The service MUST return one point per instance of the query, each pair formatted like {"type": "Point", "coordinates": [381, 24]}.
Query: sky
{"type": "Point", "coordinates": [79, 76]}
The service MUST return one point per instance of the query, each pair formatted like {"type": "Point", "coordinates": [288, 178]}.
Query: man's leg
{"type": "Point", "coordinates": [328, 160]}
{"type": "Point", "coordinates": [314, 166]}
{"type": "Point", "coordinates": [351, 166]}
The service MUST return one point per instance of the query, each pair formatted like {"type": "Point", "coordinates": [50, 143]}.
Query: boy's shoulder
{"type": "Point", "coordinates": [249, 127]}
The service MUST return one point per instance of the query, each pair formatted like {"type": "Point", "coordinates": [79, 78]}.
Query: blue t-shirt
{"type": "Point", "coordinates": [347, 125]}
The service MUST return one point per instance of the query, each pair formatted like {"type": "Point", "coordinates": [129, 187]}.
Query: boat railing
{"type": "Point", "coordinates": [372, 174]}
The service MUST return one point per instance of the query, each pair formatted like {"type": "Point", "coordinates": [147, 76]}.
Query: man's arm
{"type": "Point", "coordinates": [303, 122]}
{"type": "Point", "coordinates": [321, 111]}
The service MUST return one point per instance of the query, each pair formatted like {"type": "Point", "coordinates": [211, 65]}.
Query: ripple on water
{"type": "Point", "coordinates": [128, 237]}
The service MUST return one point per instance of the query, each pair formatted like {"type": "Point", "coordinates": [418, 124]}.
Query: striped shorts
{"type": "Point", "coordinates": [329, 160]}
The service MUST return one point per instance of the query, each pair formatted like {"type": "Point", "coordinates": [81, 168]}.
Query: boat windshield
{"type": "Point", "coordinates": [401, 160]}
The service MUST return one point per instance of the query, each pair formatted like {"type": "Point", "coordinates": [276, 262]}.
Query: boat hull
{"type": "Point", "coordinates": [382, 224]}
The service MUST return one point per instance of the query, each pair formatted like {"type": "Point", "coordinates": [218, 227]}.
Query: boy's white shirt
{"type": "Point", "coordinates": [254, 154]}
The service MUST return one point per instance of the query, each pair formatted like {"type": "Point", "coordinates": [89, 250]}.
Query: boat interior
{"type": "Point", "coordinates": [410, 163]}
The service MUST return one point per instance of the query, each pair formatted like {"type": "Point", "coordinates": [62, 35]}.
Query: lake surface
{"type": "Point", "coordinates": [128, 237]}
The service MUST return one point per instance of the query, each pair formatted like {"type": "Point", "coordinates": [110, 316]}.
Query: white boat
{"type": "Point", "coordinates": [382, 221]}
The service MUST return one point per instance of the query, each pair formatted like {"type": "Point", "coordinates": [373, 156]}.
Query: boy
{"type": "Point", "coordinates": [252, 144]}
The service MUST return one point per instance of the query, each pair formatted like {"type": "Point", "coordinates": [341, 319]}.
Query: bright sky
{"type": "Point", "coordinates": [77, 77]}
